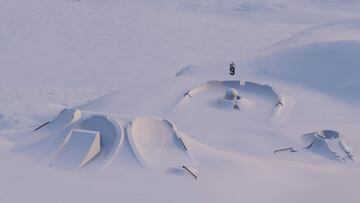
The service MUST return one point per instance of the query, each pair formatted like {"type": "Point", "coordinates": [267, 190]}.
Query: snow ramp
{"type": "Point", "coordinates": [158, 144]}
{"type": "Point", "coordinates": [78, 149]}
{"type": "Point", "coordinates": [110, 135]}
{"type": "Point", "coordinates": [91, 143]}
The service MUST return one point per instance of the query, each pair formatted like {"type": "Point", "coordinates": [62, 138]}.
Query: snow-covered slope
{"type": "Point", "coordinates": [120, 63]}
{"type": "Point", "coordinates": [331, 67]}
{"type": "Point", "coordinates": [323, 57]}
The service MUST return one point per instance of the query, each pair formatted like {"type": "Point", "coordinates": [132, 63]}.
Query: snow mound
{"type": "Point", "coordinates": [322, 57]}
{"type": "Point", "coordinates": [340, 30]}
{"type": "Point", "coordinates": [330, 144]}
{"type": "Point", "coordinates": [96, 141]}
{"type": "Point", "coordinates": [329, 67]}
{"type": "Point", "coordinates": [158, 144]}
{"type": "Point", "coordinates": [65, 118]}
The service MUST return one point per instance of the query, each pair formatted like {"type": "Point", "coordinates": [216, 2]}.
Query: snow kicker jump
{"type": "Point", "coordinates": [90, 142]}
{"type": "Point", "coordinates": [78, 149]}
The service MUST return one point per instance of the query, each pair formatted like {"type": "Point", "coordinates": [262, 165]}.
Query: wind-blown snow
{"type": "Point", "coordinates": [119, 59]}
{"type": "Point", "coordinates": [330, 67]}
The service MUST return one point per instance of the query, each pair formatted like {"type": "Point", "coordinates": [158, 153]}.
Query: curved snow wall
{"type": "Point", "coordinates": [158, 144]}
{"type": "Point", "coordinates": [255, 88]}
{"type": "Point", "coordinates": [76, 141]}
{"type": "Point", "coordinates": [111, 134]}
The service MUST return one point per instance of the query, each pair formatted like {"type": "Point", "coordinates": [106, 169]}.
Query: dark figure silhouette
{"type": "Point", "coordinates": [187, 94]}
{"type": "Point", "coordinates": [279, 103]}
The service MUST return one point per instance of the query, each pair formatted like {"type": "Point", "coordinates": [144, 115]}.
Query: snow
{"type": "Point", "coordinates": [157, 144]}
{"type": "Point", "coordinates": [331, 67]}
{"type": "Point", "coordinates": [117, 60]}
{"type": "Point", "coordinates": [79, 147]}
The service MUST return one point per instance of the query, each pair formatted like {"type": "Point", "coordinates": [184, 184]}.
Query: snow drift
{"type": "Point", "coordinates": [322, 57]}
{"type": "Point", "coordinates": [331, 67]}
{"type": "Point", "coordinates": [92, 141]}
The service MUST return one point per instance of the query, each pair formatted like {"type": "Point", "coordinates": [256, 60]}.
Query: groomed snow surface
{"type": "Point", "coordinates": [133, 101]}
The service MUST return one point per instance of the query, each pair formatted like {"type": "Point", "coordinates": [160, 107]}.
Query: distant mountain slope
{"type": "Point", "coordinates": [331, 67]}
{"type": "Point", "coordinates": [323, 57]}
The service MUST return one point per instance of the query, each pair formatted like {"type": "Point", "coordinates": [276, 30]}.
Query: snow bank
{"type": "Point", "coordinates": [322, 57]}
{"type": "Point", "coordinates": [331, 67]}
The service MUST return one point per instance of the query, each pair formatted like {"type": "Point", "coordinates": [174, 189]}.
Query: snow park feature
{"type": "Point", "coordinates": [64, 119]}
{"type": "Point", "coordinates": [244, 95]}
{"type": "Point", "coordinates": [95, 140]}
{"type": "Point", "coordinates": [329, 144]}
{"type": "Point", "coordinates": [230, 99]}
{"type": "Point", "coordinates": [91, 141]}
{"type": "Point", "coordinates": [179, 101]}
{"type": "Point", "coordinates": [158, 144]}
{"type": "Point", "coordinates": [111, 137]}
{"type": "Point", "coordinates": [79, 148]}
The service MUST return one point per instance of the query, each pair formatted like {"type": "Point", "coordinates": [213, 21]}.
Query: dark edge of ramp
{"type": "Point", "coordinates": [183, 144]}
{"type": "Point", "coordinates": [188, 170]}
{"type": "Point", "coordinates": [187, 94]}
{"type": "Point", "coordinates": [43, 125]}
{"type": "Point", "coordinates": [308, 147]}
